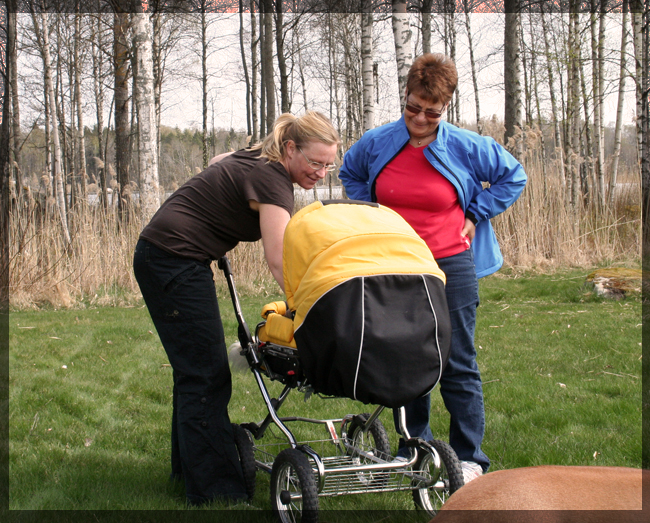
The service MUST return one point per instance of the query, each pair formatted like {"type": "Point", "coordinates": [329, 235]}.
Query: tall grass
{"type": "Point", "coordinates": [542, 230]}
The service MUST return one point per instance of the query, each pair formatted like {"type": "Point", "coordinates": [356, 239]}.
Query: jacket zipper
{"type": "Point", "coordinates": [454, 175]}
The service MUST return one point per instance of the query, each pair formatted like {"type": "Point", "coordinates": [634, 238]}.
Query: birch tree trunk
{"type": "Point", "coordinates": [535, 94]}
{"type": "Point", "coordinates": [586, 134]}
{"type": "Point", "coordinates": [402, 35]}
{"type": "Point", "coordinates": [44, 44]}
{"type": "Point", "coordinates": [146, 110]}
{"type": "Point", "coordinates": [573, 112]}
{"type": "Point", "coordinates": [81, 143]}
{"type": "Point", "coordinates": [99, 105]}
{"type": "Point", "coordinates": [619, 107]}
{"type": "Point", "coordinates": [559, 149]}
{"type": "Point", "coordinates": [367, 69]}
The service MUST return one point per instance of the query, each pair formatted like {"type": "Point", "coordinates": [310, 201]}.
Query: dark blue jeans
{"type": "Point", "coordinates": [181, 298]}
{"type": "Point", "coordinates": [460, 384]}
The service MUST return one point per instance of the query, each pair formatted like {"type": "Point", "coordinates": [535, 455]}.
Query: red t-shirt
{"type": "Point", "coordinates": [413, 188]}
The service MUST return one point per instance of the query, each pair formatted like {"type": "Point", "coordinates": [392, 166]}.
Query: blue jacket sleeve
{"type": "Point", "coordinates": [507, 179]}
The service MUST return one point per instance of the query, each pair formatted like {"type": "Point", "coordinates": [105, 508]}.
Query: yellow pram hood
{"type": "Point", "coordinates": [370, 315]}
{"type": "Point", "coordinates": [326, 244]}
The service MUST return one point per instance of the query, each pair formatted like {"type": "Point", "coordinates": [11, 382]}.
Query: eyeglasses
{"type": "Point", "coordinates": [429, 113]}
{"type": "Point", "coordinates": [317, 166]}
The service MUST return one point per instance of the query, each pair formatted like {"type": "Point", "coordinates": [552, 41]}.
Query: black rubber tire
{"type": "Point", "coordinates": [378, 440]}
{"type": "Point", "coordinates": [451, 477]}
{"type": "Point", "coordinates": [246, 450]}
{"type": "Point", "coordinates": [292, 474]}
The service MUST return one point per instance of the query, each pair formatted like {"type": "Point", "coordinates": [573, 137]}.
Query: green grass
{"type": "Point", "coordinates": [561, 371]}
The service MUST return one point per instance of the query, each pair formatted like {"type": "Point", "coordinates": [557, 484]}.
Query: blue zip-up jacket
{"type": "Point", "coordinates": [465, 158]}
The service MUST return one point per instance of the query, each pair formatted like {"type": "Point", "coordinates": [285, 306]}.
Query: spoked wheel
{"type": "Point", "coordinates": [245, 448]}
{"type": "Point", "coordinates": [294, 496]}
{"type": "Point", "coordinates": [449, 477]}
{"type": "Point", "coordinates": [363, 446]}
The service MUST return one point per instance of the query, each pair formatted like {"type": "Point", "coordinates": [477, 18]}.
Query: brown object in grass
{"type": "Point", "coordinates": [549, 494]}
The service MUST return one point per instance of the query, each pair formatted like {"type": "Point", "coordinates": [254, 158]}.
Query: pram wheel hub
{"type": "Point", "coordinates": [368, 444]}
{"type": "Point", "coordinates": [440, 469]}
{"type": "Point", "coordinates": [293, 490]}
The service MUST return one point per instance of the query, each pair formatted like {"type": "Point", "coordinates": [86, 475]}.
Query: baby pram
{"type": "Point", "coordinates": [367, 320]}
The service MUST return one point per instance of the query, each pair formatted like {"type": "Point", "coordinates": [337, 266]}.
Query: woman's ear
{"type": "Point", "coordinates": [290, 148]}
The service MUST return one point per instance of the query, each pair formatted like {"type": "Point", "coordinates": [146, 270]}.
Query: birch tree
{"type": "Point", "coordinates": [367, 67]}
{"type": "Point", "coordinates": [402, 35]}
{"type": "Point", "coordinates": [554, 105]}
{"type": "Point", "coordinates": [573, 105]}
{"type": "Point", "coordinates": [42, 34]}
{"type": "Point", "coordinates": [146, 110]}
{"type": "Point", "coordinates": [98, 87]}
{"type": "Point", "coordinates": [80, 139]}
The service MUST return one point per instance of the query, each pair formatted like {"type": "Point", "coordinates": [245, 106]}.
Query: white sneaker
{"type": "Point", "coordinates": [399, 459]}
{"type": "Point", "coordinates": [470, 470]}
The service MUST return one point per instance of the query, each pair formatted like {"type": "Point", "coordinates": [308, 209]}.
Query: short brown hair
{"type": "Point", "coordinates": [433, 77]}
{"type": "Point", "coordinates": [311, 126]}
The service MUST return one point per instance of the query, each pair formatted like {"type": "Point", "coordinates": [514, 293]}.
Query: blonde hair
{"type": "Point", "coordinates": [312, 126]}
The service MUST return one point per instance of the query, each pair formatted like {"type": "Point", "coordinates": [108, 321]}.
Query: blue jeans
{"type": "Point", "coordinates": [460, 384]}
{"type": "Point", "coordinates": [182, 302]}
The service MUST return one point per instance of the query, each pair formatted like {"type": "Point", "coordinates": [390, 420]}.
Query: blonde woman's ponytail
{"type": "Point", "coordinates": [312, 126]}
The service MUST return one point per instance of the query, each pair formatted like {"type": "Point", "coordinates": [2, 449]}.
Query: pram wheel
{"type": "Point", "coordinates": [450, 477]}
{"type": "Point", "coordinates": [246, 451]}
{"type": "Point", "coordinates": [364, 446]}
{"type": "Point", "coordinates": [294, 496]}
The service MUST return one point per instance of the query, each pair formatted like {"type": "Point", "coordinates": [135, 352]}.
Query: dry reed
{"type": "Point", "coordinates": [541, 231]}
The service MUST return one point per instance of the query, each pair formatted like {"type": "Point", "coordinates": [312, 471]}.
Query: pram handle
{"type": "Point", "coordinates": [243, 332]}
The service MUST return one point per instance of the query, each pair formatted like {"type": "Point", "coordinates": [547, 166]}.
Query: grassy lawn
{"type": "Point", "coordinates": [90, 398]}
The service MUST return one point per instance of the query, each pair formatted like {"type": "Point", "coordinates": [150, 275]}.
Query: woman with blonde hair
{"type": "Point", "coordinates": [241, 196]}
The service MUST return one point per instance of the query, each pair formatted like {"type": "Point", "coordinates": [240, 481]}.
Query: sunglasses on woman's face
{"type": "Point", "coordinates": [429, 113]}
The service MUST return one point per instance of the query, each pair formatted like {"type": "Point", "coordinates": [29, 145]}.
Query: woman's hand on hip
{"type": "Point", "coordinates": [468, 230]}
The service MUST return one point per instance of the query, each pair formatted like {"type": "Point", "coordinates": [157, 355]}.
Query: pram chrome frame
{"type": "Point", "coordinates": [432, 471]}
